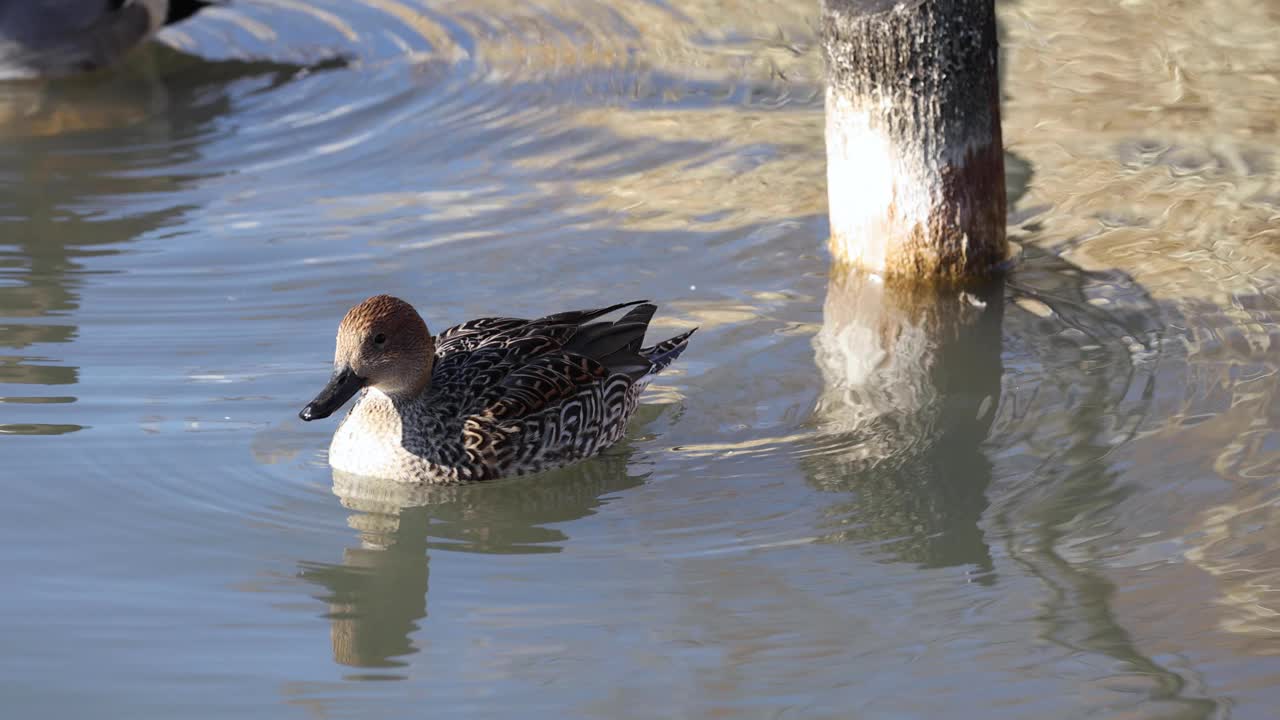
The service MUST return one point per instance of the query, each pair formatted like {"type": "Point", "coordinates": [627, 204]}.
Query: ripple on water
{"type": "Point", "coordinates": [806, 505]}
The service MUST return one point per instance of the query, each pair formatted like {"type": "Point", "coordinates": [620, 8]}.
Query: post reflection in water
{"type": "Point", "coordinates": [911, 379]}
{"type": "Point", "coordinates": [912, 392]}
{"type": "Point", "coordinates": [378, 593]}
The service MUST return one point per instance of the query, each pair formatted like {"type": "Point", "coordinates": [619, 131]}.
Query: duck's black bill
{"type": "Point", "coordinates": [341, 387]}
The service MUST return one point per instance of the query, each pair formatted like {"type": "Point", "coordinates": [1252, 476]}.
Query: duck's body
{"type": "Point", "coordinates": [50, 38]}
{"type": "Point", "coordinates": [502, 396]}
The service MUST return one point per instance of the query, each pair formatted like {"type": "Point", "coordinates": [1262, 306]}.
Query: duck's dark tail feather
{"type": "Point", "coordinates": [579, 317]}
{"type": "Point", "coordinates": [180, 10]}
{"type": "Point", "coordinates": [603, 339]}
{"type": "Point", "coordinates": [618, 344]}
{"type": "Point", "coordinates": [665, 352]}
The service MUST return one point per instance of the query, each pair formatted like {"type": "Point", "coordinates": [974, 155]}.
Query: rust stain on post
{"type": "Point", "coordinates": [963, 235]}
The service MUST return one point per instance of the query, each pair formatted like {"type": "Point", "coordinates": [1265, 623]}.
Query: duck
{"type": "Point", "coordinates": [55, 38]}
{"type": "Point", "coordinates": [490, 398]}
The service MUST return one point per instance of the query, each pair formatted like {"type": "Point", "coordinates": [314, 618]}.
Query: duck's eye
{"type": "Point", "coordinates": [379, 339]}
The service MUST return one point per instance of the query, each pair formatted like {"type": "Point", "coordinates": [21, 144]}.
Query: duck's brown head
{"type": "Point", "coordinates": [382, 343]}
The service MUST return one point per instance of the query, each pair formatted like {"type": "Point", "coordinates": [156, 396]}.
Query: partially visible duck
{"type": "Point", "coordinates": [49, 38]}
{"type": "Point", "coordinates": [488, 398]}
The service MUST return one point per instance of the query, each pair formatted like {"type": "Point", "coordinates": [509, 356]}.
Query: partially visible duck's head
{"type": "Point", "coordinates": [382, 344]}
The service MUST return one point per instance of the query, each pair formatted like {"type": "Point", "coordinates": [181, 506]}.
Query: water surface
{"type": "Point", "coordinates": [835, 503]}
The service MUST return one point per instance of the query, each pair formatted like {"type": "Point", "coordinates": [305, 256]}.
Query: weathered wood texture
{"type": "Point", "coordinates": [915, 166]}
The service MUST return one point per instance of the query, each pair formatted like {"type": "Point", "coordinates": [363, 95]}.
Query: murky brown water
{"type": "Point", "coordinates": [1069, 509]}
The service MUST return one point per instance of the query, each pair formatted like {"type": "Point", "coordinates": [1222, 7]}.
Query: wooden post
{"type": "Point", "coordinates": [915, 167]}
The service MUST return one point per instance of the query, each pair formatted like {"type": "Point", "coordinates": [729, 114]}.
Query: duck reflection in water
{"type": "Point", "coordinates": [911, 383]}
{"type": "Point", "coordinates": [378, 593]}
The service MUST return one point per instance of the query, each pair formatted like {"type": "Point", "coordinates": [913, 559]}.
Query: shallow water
{"type": "Point", "coordinates": [1066, 509]}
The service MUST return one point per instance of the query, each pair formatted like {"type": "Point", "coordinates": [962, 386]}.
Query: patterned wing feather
{"type": "Point", "coordinates": [552, 410]}
{"type": "Point", "coordinates": [502, 330]}
{"type": "Point", "coordinates": [474, 357]}
{"type": "Point", "coordinates": [473, 333]}
{"type": "Point", "coordinates": [540, 393]}
{"type": "Point", "coordinates": [542, 383]}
